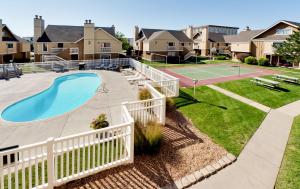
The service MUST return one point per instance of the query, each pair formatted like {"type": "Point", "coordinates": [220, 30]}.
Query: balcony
{"type": "Point", "coordinates": [171, 48]}
{"type": "Point", "coordinates": [105, 49]}
{"type": "Point", "coordinates": [56, 50]}
{"type": "Point", "coordinates": [74, 51]}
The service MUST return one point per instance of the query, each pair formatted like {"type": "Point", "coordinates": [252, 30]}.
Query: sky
{"type": "Point", "coordinates": [160, 14]}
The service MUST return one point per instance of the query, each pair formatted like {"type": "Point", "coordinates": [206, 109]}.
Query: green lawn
{"type": "Point", "coordinates": [270, 97]}
{"type": "Point", "coordinates": [289, 175]}
{"type": "Point", "coordinates": [226, 121]}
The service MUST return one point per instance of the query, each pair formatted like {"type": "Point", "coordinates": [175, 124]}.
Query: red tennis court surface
{"type": "Point", "coordinates": [186, 81]}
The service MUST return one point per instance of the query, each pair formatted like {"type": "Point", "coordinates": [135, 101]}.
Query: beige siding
{"type": "Point", "coordinates": [5, 50]}
{"type": "Point", "coordinates": [241, 47]}
{"type": "Point", "coordinates": [160, 43]}
{"type": "Point", "coordinates": [103, 37]}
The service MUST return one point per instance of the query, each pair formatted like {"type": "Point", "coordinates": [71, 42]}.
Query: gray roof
{"type": "Point", "coordinates": [293, 23]}
{"type": "Point", "coordinates": [274, 37]}
{"type": "Point", "coordinates": [16, 37]}
{"type": "Point", "coordinates": [62, 33]}
{"type": "Point", "coordinates": [216, 37]}
{"type": "Point", "coordinates": [179, 35]}
{"type": "Point", "coordinates": [244, 36]}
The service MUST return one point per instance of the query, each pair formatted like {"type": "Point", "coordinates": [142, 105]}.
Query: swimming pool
{"type": "Point", "coordinates": [65, 94]}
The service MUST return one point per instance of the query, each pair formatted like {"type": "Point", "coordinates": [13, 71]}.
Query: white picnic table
{"type": "Point", "coordinates": [286, 78]}
{"type": "Point", "coordinates": [265, 82]}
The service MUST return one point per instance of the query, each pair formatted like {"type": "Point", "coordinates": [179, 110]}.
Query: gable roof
{"type": "Point", "coordinates": [294, 24]}
{"type": "Point", "coordinates": [243, 36]}
{"type": "Point", "coordinates": [62, 33]}
{"type": "Point", "coordinates": [179, 35]}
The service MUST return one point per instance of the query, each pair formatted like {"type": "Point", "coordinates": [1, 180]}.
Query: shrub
{"type": "Point", "coordinates": [251, 60]}
{"type": "Point", "coordinates": [170, 104]}
{"type": "Point", "coordinates": [263, 62]}
{"type": "Point", "coordinates": [220, 57]}
{"type": "Point", "coordinates": [241, 56]}
{"type": "Point", "coordinates": [147, 139]}
{"type": "Point", "coordinates": [100, 122]}
{"type": "Point", "coordinates": [144, 94]}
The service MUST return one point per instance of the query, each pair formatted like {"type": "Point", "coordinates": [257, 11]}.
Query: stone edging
{"type": "Point", "coordinates": [203, 173]}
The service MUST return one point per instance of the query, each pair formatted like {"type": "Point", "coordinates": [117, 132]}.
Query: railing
{"type": "Point", "coordinates": [169, 84]}
{"type": "Point", "coordinates": [105, 49]}
{"type": "Point", "coordinates": [74, 50]}
{"type": "Point", "coordinates": [148, 110]}
{"type": "Point", "coordinates": [11, 50]}
{"type": "Point", "coordinates": [171, 48]}
{"type": "Point", "coordinates": [57, 161]}
{"type": "Point", "coordinates": [56, 50]}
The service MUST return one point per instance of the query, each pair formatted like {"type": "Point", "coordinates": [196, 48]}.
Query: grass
{"type": "Point", "coordinates": [109, 153]}
{"type": "Point", "coordinates": [226, 121]}
{"type": "Point", "coordinates": [288, 93]}
{"type": "Point", "coordinates": [289, 175]}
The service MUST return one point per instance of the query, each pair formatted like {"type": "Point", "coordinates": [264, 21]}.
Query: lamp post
{"type": "Point", "coordinates": [239, 69]}
{"type": "Point", "coordinates": [195, 81]}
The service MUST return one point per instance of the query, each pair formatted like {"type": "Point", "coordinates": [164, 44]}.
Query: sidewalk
{"type": "Point", "coordinates": [240, 98]}
{"type": "Point", "coordinates": [259, 162]}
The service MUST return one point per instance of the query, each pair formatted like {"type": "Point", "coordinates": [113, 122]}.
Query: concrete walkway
{"type": "Point", "coordinates": [258, 164]}
{"type": "Point", "coordinates": [240, 98]}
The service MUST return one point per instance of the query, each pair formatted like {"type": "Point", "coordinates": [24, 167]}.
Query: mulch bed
{"type": "Point", "coordinates": [184, 150]}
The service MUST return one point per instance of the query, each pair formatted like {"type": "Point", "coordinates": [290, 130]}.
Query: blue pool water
{"type": "Point", "coordinates": [66, 94]}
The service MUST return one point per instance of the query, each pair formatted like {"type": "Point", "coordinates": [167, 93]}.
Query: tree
{"type": "Point", "coordinates": [290, 49]}
{"type": "Point", "coordinates": [125, 43]}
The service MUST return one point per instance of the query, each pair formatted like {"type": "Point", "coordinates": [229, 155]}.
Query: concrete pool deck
{"type": "Point", "coordinates": [76, 121]}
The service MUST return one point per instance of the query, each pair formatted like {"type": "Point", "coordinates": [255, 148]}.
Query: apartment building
{"type": "Point", "coordinates": [161, 45]}
{"type": "Point", "coordinates": [210, 36]}
{"type": "Point", "coordinates": [12, 47]}
{"type": "Point", "coordinates": [260, 43]}
{"type": "Point", "coordinates": [74, 42]}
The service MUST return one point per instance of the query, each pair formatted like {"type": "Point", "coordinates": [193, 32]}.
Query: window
{"type": "Point", "coordinates": [89, 42]}
{"type": "Point", "coordinates": [10, 45]}
{"type": "Point", "coordinates": [105, 56]}
{"type": "Point", "coordinates": [286, 31]}
{"type": "Point", "coordinates": [171, 44]}
{"type": "Point", "coordinates": [45, 48]}
{"type": "Point", "coordinates": [60, 45]}
{"type": "Point", "coordinates": [277, 44]}
{"type": "Point", "coordinates": [105, 44]}
{"type": "Point", "coordinates": [182, 44]}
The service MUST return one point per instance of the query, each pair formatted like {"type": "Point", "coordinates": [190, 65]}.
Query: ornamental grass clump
{"type": "Point", "coordinates": [147, 138]}
{"type": "Point", "coordinates": [144, 94]}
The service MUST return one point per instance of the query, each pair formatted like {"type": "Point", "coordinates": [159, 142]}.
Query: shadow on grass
{"type": "Point", "coordinates": [185, 99]}
{"type": "Point", "coordinates": [278, 89]}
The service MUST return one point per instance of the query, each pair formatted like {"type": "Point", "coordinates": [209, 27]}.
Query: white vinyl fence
{"type": "Point", "coordinates": [57, 161]}
{"type": "Point", "coordinates": [169, 84]}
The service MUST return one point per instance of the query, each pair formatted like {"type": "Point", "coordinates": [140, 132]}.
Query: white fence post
{"type": "Point", "coordinates": [50, 163]}
{"type": "Point", "coordinates": [163, 110]}
{"type": "Point", "coordinates": [131, 160]}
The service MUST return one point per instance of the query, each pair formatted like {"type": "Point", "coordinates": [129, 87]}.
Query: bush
{"type": "Point", "coordinates": [147, 139]}
{"type": "Point", "coordinates": [251, 60]}
{"type": "Point", "coordinates": [144, 94]}
{"type": "Point", "coordinates": [220, 57]}
{"type": "Point", "coordinates": [241, 56]}
{"type": "Point", "coordinates": [100, 122]}
{"type": "Point", "coordinates": [170, 104]}
{"type": "Point", "coordinates": [263, 62]}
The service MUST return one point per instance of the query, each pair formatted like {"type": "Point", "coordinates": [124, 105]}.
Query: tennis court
{"type": "Point", "coordinates": [209, 74]}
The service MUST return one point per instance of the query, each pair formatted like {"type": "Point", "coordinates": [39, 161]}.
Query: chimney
{"type": "Point", "coordinates": [247, 28]}
{"type": "Point", "coordinates": [113, 28]}
{"type": "Point", "coordinates": [89, 37]}
{"type": "Point", "coordinates": [190, 32]}
{"type": "Point", "coordinates": [1, 33]}
{"type": "Point", "coordinates": [136, 32]}
{"type": "Point", "coordinates": [39, 27]}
